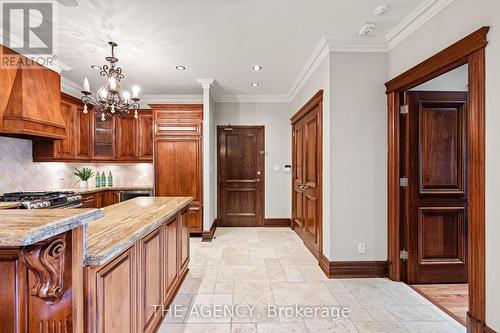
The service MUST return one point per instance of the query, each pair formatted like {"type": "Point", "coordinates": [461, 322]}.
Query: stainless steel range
{"type": "Point", "coordinates": [38, 200]}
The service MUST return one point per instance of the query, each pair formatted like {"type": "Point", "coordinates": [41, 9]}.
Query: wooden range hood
{"type": "Point", "coordinates": [29, 99]}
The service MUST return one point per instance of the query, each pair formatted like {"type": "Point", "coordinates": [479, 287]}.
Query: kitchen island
{"type": "Point", "coordinates": [92, 270]}
{"type": "Point", "coordinates": [136, 260]}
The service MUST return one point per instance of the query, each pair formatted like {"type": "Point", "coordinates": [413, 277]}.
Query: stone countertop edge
{"type": "Point", "coordinates": [103, 259]}
{"type": "Point", "coordinates": [89, 190]}
{"type": "Point", "coordinates": [42, 233]}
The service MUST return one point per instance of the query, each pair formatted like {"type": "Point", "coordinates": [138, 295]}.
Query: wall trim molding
{"type": "Point", "coordinates": [353, 269]}
{"type": "Point", "coordinates": [278, 222]}
{"type": "Point", "coordinates": [208, 236]}
{"type": "Point", "coordinates": [488, 329]}
{"type": "Point", "coordinates": [251, 98]}
{"type": "Point", "coordinates": [413, 21]}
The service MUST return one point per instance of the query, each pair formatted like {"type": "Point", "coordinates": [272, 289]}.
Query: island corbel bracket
{"type": "Point", "coordinates": [46, 261]}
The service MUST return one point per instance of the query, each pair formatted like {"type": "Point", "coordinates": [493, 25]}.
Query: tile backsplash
{"type": "Point", "coordinates": [18, 172]}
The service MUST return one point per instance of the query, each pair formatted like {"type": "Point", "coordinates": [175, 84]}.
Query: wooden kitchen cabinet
{"type": "Point", "coordinates": [76, 145]}
{"type": "Point", "coordinates": [113, 290]}
{"type": "Point", "coordinates": [92, 140]}
{"type": "Point", "coordinates": [103, 134]}
{"type": "Point", "coordinates": [123, 292]}
{"type": "Point", "coordinates": [100, 198]}
{"type": "Point", "coordinates": [126, 138]}
{"type": "Point", "coordinates": [151, 276]}
{"type": "Point", "coordinates": [178, 140]}
{"type": "Point", "coordinates": [145, 136]}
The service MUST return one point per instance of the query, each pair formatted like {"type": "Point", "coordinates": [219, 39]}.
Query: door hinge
{"type": "Point", "coordinates": [403, 255]}
{"type": "Point", "coordinates": [404, 109]}
{"type": "Point", "coordinates": [403, 182]}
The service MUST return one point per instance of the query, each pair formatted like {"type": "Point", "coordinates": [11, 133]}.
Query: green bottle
{"type": "Point", "coordinates": [110, 179]}
{"type": "Point", "coordinates": [97, 180]}
{"type": "Point", "coordinates": [103, 179]}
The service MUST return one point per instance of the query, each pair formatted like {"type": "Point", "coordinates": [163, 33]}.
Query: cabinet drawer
{"type": "Point", "coordinates": [177, 128]}
{"type": "Point", "coordinates": [187, 114]}
{"type": "Point", "coordinates": [89, 201]}
{"type": "Point", "coordinates": [195, 218]}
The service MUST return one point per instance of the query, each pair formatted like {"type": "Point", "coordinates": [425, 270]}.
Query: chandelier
{"type": "Point", "coordinates": [110, 99]}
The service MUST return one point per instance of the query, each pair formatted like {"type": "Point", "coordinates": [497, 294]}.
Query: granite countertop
{"type": "Point", "coordinates": [88, 190]}
{"type": "Point", "coordinates": [9, 205]}
{"type": "Point", "coordinates": [23, 227]}
{"type": "Point", "coordinates": [126, 222]}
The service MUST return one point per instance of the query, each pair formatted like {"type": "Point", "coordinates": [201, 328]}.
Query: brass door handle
{"type": "Point", "coordinates": [303, 186]}
{"type": "Point", "coordinates": [257, 180]}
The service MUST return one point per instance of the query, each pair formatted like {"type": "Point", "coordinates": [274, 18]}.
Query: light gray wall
{"type": "Point", "coordinates": [276, 119]}
{"type": "Point", "coordinates": [359, 169]}
{"type": "Point", "coordinates": [457, 20]}
{"type": "Point", "coordinates": [455, 80]}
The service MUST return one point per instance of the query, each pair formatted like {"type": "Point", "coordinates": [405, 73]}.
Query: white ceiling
{"type": "Point", "coordinates": [220, 39]}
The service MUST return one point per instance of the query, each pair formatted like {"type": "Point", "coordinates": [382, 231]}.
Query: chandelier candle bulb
{"type": "Point", "coordinates": [135, 91]}
{"type": "Point", "coordinates": [86, 85]}
{"type": "Point", "coordinates": [112, 84]}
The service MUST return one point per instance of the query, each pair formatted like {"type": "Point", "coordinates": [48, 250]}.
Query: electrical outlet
{"type": "Point", "coordinates": [361, 247]}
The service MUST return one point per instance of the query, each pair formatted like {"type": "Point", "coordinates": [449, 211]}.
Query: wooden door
{"type": "Point", "coordinates": [241, 176]}
{"type": "Point", "coordinates": [65, 147]}
{"type": "Point", "coordinates": [436, 219]}
{"type": "Point", "coordinates": [145, 135]}
{"type": "Point", "coordinates": [126, 136]}
{"type": "Point", "coordinates": [306, 174]}
{"type": "Point", "coordinates": [82, 133]}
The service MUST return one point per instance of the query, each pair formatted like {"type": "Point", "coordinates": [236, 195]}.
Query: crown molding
{"type": "Point", "coordinates": [252, 99]}
{"type": "Point", "coordinates": [71, 88]}
{"type": "Point", "coordinates": [205, 83]}
{"type": "Point", "coordinates": [413, 21]}
{"type": "Point", "coordinates": [171, 99]}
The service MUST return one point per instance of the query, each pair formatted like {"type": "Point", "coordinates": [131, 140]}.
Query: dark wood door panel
{"type": "Point", "coordinates": [241, 175]}
{"type": "Point", "coordinates": [442, 147]}
{"type": "Point", "coordinates": [437, 196]}
{"type": "Point", "coordinates": [441, 235]}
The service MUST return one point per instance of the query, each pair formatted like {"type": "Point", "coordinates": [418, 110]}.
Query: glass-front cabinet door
{"type": "Point", "coordinates": [104, 138]}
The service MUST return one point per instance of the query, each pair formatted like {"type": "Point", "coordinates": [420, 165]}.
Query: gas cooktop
{"type": "Point", "coordinates": [36, 200]}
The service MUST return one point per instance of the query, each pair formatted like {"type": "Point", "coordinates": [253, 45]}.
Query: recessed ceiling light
{"type": "Point", "coordinates": [180, 68]}
{"type": "Point", "coordinates": [257, 68]}
{"type": "Point", "coordinates": [96, 67]}
{"type": "Point", "coordinates": [255, 84]}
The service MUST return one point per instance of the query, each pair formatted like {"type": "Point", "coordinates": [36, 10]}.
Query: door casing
{"type": "Point", "coordinates": [469, 50]}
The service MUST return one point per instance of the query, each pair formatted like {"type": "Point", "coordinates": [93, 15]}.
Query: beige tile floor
{"type": "Point", "coordinates": [258, 267]}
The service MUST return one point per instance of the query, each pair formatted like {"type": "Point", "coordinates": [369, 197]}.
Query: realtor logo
{"type": "Point", "coordinates": [28, 27]}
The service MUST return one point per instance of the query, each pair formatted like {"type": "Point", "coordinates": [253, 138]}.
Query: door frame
{"type": "Point", "coordinates": [469, 50]}
{"type": "Point", "coordinates": [317, 99]}
{"type": "Point", "coordinates": [263, 172]}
